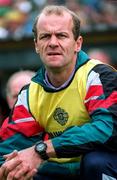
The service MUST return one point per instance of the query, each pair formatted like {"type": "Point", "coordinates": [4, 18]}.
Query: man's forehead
{"type": "Point", "coordinates": [54, 21]}
{"type": "Point", "coordinates": [44, 17]}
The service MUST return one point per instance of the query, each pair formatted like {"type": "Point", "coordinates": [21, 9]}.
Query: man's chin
{"type": "Point", "coordinates": [55, 67]}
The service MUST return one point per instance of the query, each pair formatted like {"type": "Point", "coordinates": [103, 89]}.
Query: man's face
{"type": "Point", "coordinates": [15, 86]}
{"type": "Point", "coordinates": [55, 41]}
{"type": "Point", "coordinates": [14, 90]}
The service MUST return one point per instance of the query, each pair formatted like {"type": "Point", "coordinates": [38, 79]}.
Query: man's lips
{"type": "Point", "coordinates": [53, 53]}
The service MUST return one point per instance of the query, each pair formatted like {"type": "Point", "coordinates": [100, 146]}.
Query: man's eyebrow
{"type": "Point", "coordinates": [41, 33]}
{"type": "Point", "coordinates": [61, 32]}
{"type": "Point", "coordinates": [48, 32]}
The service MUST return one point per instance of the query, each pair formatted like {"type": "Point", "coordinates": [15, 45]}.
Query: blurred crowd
{"type": "Point", "coordinates": [16, 16]}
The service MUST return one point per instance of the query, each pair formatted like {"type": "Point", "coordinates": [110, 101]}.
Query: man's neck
{"type": "Point", "coordinates": [59, 79]}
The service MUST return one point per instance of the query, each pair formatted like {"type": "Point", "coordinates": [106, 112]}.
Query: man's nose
{"type": "Point", "coordinates": [53, 41]}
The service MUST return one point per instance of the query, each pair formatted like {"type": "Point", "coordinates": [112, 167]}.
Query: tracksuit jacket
{"type": "Point", "coordinates": [79, 117]}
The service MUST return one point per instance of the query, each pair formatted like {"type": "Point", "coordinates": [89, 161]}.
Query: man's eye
{"type": "Point", "coordinates": [44, 37]}
{"type": "Point", "coordinates": [61, 36]}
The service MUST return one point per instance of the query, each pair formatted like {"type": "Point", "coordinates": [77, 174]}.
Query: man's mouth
{"type": "Point", "coordinates": [53, 54]}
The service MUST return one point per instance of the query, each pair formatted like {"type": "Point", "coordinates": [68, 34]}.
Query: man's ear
{"type": "Point", "coordinates": [36, 48]}
{"type": "Point", "coordinates": [79, 44]}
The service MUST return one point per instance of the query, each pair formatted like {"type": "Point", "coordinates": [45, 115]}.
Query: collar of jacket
{"type": "Point", "coordinates": [39, 78]}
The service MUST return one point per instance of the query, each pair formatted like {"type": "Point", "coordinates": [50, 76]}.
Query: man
{"type": "Point", "coordinates": [74, 101]}
{"type": "Point", "coordinates": [15, 83]}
